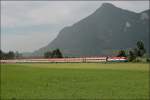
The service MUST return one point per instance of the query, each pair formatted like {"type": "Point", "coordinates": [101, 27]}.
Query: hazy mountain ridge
{"type": "Point", "coordinates": [108, 28]}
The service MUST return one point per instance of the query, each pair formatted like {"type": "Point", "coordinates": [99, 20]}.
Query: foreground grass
{"type": "Point", "coordinates": [75, 81]}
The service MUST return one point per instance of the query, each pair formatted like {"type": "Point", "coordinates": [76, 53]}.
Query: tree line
{"type": "Point", "coordinates": [135, 54]}
{"type": "Point", "coordinates": [53, 54]}
{"type": "Point", "coordinates": [9, 55]}
{"type": "Point", "coordinates": [16, 55]}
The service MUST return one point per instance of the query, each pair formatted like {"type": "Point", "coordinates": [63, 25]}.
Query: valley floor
{"type": "Point", "coordinates": [75, 81]}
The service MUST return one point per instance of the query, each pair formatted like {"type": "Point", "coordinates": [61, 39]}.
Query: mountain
{"type": "Point", "coordinates": [108, 29]}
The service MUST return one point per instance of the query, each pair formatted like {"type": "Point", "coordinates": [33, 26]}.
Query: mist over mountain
{"type": "Point", "coordinates": [108, 29]}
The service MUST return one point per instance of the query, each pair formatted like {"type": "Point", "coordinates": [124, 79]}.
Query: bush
{"type": "Point", "coordinates": [148, 59]}
{"type": "Point", "coordinates": [131, 56]}
{"type": "Point", "coordinates": [137, 60]}
{"type": "Point", "coordinates": [121, 53]}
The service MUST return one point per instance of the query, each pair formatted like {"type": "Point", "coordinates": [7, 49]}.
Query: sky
{"type": "Point", "coordinates": [27, 26]}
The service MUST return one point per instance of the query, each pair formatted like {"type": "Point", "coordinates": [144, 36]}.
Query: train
{"type": "Point", "coordinates": [68, 60]}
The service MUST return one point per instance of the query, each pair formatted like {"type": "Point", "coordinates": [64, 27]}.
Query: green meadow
{"type": "Point", "coordinates": [74, 81]}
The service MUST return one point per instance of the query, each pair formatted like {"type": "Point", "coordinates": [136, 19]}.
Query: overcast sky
{"type": "Point", "coordinates": [29, 25]}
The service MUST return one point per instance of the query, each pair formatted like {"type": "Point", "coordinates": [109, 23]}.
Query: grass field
{"type": "Point", "coordinates": [75, 81]}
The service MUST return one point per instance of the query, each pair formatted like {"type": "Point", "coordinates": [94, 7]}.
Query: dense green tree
{"type": "Point", "coordinates": [140, 45]}
{"type": "Point", "coordinates": [140, 49]}
{"type": "Point", "coordinates": [10, 55]}
{"type": "Point", "coordinates": [138, 52]}
{"type": "Point", "coordinates": [54, 54]}
{"type": "Point", "coordinates": [1, 54]}
{"type": "Point", "coordinates": [57, 54]}
{"type": "Point", "coordinates": [121, 53]}
{"type": "Point", "coordinates": [131, 56]}
{"type": "Point", "coordinates": [48, 54]}
{"type": "Point", "coordinates": [135, 50]}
